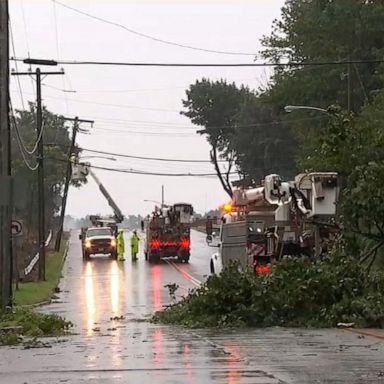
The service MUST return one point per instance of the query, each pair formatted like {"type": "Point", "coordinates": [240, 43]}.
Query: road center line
{"type": "Point", "coordinates": [187, 275]}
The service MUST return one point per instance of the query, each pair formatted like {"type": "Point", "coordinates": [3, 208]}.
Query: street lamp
{"type": "Point", "coordinates": [292, 108]}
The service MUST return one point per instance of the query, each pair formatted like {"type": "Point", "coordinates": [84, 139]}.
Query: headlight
{"type": "Point", "coordinates": [113, 243]}
{"type": "Point", "coordinates": [88, 244]}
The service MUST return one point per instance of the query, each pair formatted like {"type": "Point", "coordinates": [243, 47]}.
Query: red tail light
{"type": "Point", "coordinates": [262, 268]}
{"type": "Point", "coordinates": [185, 243]}
{"type": "Point", "coordinates": [155, 243]}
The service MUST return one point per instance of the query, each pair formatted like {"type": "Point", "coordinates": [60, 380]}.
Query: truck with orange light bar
{"type": "Point", "coordinates": [262, 224]}
{"type": "Point", "coordinates": [168, 233]}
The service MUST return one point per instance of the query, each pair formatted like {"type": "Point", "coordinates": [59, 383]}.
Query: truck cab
{"type": "Point", "coordinates": [98, 240]}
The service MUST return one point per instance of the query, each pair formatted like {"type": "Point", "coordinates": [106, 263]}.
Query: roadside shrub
{"type": "Point", "coordinates": [296, 293]}
{"type": "Point", "coordinates": [19, 323]}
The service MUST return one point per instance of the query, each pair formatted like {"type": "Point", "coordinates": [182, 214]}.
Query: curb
{"type": "Point", "coordinates": [371, 332]}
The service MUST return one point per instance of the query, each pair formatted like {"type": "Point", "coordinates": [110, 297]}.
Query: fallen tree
{"type": "Point", "coordinates": [296, 293]}
{"type": "Point", "coordinates": [21, 326]}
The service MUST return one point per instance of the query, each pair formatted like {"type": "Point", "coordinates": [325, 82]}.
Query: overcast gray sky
{"type": "Point", "coordinates": [136, 110]}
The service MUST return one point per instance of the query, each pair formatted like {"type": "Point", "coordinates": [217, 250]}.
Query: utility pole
{"type": "Point", "coordinates": [162, 196]}
{"type": "Point", "coordinates": [40, 155]}
{"type": "Point", "coordinates": [68, 175]}
{"type": "Point", "coordinates": [5, 164]}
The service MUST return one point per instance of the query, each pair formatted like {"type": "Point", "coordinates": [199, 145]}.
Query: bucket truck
{"type": "Point", "coordinates": [278, 218]}
{"type": "Point", "coordinates": [101, 238]}
{"type": "Point", "coordinates": [168, 232]}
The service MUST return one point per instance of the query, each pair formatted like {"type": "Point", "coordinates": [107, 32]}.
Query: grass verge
{"type": "Point", "coordinates": [36, 292]}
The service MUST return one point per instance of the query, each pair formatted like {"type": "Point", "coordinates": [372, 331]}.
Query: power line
{"type": "Point", "coordinates": [16, 64]}
{"type": "Point", "coordinates": [24, 147]}
{"type": "Point", "coordinates": [145, 157]}
{"type": "Point", "coordinates": [167, 125]}
{"type": "Point", "coordinates": [253, 64]}
{"type": "Point", "coordinates": [110, 104]}
{"type": "Point", "coordinates": [19, 144]}
{"type": "Point", "coordinates": [160, 124]}
{"type": "Point", "coordinates": [56, 29]}
{"type": "Point", "coordinates": [58, 49]}
{"type": "Point", "coordinates": [158, 40]}
{"type": "Point", "coordinates": [120, 105]}
{"type": "Point", "coordinates": [26, 36]}
{"type": "Point", "coordinates": [145, 133]}
{"type": "Point", "coordinates": [145, 173]}
{"type": "Point", "coordinates": [140, 90]}
{"type": "Point", "coordinates": [25, 27]}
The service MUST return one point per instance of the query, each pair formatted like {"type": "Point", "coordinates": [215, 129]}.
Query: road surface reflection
{"type": "Point", "coordinates": [90, 298]}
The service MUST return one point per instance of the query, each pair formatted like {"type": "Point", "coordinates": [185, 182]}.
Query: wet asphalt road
{"type": "Point", "coordinates": [133, 350]}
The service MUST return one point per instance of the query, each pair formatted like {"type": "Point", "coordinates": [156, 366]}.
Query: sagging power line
{"type": "Point", "coordinates": [145, 157]}
{"type": "Point", "coordinates": [153, 38]}
{"type": "Point", "coordinates": [240, 65]}
{"type": "Point", "coordinates": [145, 173]}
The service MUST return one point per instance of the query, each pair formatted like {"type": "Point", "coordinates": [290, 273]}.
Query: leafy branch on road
{"type": "Point", "coordinates": [296, 293]}
{"type": "Point", "coordinates": [21, 325]}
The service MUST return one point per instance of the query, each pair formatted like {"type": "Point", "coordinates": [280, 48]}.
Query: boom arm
{"type": "Point", "coordinates": [119, 217]}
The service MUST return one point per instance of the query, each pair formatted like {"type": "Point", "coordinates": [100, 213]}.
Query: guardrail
{"type": "Point", "coordinates": [32, 263]}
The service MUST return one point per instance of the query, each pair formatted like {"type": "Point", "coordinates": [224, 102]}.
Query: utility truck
{"type": "Point", "coordinates": [168, 233]}
{"type": "Point", "coordinates": [262, 224]}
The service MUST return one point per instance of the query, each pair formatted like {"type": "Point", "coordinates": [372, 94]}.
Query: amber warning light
{"type": "Point", "coordinates": [228, 207]}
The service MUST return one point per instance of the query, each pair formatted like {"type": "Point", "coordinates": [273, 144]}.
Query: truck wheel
{"type": "Point", "coordinates": [182, 256]}
{"type": "Point", "coordinates": [114, 255]}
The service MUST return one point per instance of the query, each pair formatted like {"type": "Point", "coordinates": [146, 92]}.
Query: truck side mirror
{"type": "Point", "coordinates": [80, 237]}
{"type": "Point", "coordinates": [210, 242]}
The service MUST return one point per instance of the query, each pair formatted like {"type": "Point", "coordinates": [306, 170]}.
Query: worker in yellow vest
{"type": "Point", "coordinates": [120, 245]}
{"type": "Point", "coordinates": [134, 245]}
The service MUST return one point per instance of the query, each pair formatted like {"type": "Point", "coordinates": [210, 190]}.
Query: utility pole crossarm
{"type": "Point", "coordinates": [34, 73]}
{"type": "Point", "coordinates": [78, 120]}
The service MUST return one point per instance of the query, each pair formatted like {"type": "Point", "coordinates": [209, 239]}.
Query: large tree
{"type": "Point", "coordinates": [320, 31]}
{"type": "Point", "coordinates": [324, 31]}
{"type": "Point", "coordinates": [215, 106]}
{"type": "Point", "coordinates": [56, 145]}
{"type": "Point", "coordinates": [242, 130]}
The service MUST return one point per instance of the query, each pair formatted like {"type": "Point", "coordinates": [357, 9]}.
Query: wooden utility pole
{"type": "Point", "coordinates": [68, 175]}
{"type": "Point", "coordinates": [40, 158]}
{"type": "Point", "coordinates": [5, 164]}
{"type": "Point", "coordinates": [349, 87]}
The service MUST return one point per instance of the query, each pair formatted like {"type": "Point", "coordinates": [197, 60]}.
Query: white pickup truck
{"type": "Point", "coordinates": [98, 240]}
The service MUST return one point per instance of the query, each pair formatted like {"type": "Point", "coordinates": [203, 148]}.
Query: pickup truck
{"type": "Point", "coordinates": [98, 240]}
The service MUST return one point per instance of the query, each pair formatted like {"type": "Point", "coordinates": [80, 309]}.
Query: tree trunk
{"type": "Point", "coordinates": [225, 183]}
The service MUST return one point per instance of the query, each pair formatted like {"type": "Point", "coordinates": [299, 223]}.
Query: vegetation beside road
{"type": "Point", "coordinates": [22, 325]}
{"type": "Point", "coordinates": [296, 293]}
{"type": "Point", "coordinates": [36, 292]}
